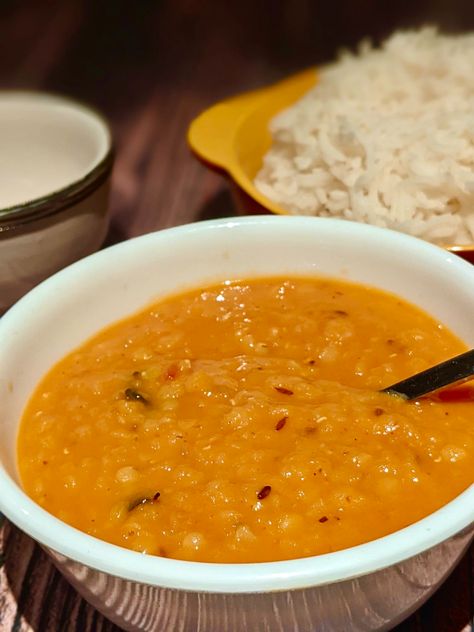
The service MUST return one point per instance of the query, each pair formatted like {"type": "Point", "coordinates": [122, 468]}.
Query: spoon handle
{"type": "Point", "coordinates": [456, 369]}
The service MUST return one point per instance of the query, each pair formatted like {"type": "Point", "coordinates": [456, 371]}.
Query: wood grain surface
{"type": "Point", "coordinates": [151, 66]}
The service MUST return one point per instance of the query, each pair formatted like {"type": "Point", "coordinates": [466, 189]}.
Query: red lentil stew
{"type": "Point", "coordinates": [242, 423]}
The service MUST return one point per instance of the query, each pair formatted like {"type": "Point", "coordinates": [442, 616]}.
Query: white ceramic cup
{"type": "Point", "coordinates": [55, 162]}
{"type": "Point", "coordinates": [368, 587]}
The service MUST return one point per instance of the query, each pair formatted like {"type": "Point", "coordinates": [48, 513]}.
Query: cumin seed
{"type": "Point", "coordinates": [281, 423]}
{"type": "Point", "coordinates": [143, 500]}
{"type": "Point", "coordinates": [264, 492]}
{"type": "Point", "coordinates": [133, 395]}
{"type": "Point", "coordinates": [283, 390]}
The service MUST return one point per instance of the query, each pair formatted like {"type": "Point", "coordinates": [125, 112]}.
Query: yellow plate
{"type": "Point", "coordinates": [233, 135]}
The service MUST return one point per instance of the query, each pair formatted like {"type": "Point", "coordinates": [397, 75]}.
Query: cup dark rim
{"type": "Point", "coordinates": [59, 200]}
{"type": "Point", "coordinates": [18, 215]}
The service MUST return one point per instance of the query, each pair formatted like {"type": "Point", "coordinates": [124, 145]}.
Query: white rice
{"type": "Point", "coordinates": [386, 137]}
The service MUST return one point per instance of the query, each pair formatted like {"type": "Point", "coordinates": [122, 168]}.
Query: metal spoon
{"type": "Point", "coordinates": [457, 369]}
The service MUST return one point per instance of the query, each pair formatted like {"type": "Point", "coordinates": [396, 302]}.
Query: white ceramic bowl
{"type": "Point", "coordinates": [368, 587]}
{"type": "Point", "coordinates": [55, 163]}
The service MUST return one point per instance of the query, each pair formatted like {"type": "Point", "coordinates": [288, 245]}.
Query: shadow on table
{"type": "Point", "coordinates": [115, 234]}
{"type": "Point", "coordinates": [36, 597]}
{"type": "Point", "coordinates": [218, 206]}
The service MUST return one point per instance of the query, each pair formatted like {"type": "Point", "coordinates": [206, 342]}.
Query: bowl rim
{"type": "Point", "coordinates": [14, 216]}
{"type": "Point", "coordinates": [453, 518]}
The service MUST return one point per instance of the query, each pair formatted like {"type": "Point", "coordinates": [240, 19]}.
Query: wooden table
{"type": "Point", "coordinates": [151, 67]}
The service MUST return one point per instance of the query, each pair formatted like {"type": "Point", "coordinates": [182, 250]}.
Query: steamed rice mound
{"type": "Point", "coordinates": [386, 137]}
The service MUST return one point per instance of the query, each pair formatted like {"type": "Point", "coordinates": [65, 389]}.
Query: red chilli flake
{"type": "Point", "coordinates": [172, 372]}
{"type": "Point", "coordinates": [283, 390]}
{"type": "Point", "coordinates": [281, 423]}
{"type": "Point", "coordinates": [378, 412]}
{"type": "Point", "coordinates": [264, 492]}
{"type": "Point", "coordinates": [324, 519]}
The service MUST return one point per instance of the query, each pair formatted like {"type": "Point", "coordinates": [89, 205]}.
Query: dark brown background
{"type": "Point", "coordinates": [151, 67]}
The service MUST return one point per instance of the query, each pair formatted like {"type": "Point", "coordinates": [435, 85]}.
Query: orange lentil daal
{"type": "Point", "coordinates": [243, 423]}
